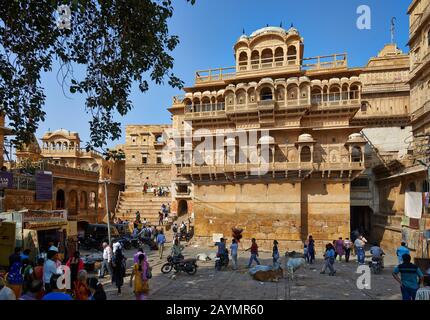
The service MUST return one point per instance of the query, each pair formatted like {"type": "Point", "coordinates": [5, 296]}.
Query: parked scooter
{"type": "Point", "coordinates": [376, 265]}
{"type": "Point", "coordinates": [180, 264]}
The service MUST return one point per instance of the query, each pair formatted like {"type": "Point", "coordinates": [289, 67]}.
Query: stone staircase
{"type": "Point", "coordinates": [147, 204]}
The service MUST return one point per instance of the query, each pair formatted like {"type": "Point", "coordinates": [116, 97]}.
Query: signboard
{"type": "Point", "coordinates": [44, 215]}
{"type": "Point", "coordinates": [6, 179]}
{"type": "Point", "coordinates": [216, 237]}
{"type": "Point", "coordinates": [44, 186]}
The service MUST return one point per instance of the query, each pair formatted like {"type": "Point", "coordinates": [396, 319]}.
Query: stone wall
{"type": "Point", "coordinates": [285, 211]}
{"type": "Point", "coordinates": [19, 199]}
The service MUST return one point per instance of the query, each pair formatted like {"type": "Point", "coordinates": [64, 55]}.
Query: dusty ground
{"type": "Point", "coordinates": [209, 284]}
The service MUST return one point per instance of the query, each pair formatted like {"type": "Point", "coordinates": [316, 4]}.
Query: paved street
{"type": "Point", "coordinates": [238, 285]}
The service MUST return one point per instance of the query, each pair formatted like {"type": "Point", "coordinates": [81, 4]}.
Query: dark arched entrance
{"type": "Point", "coordinates": [182, 207]}
{"type": "Point", "coordinates": [72, 204]}
{"type": "Point", "coordinates": [60, 199]}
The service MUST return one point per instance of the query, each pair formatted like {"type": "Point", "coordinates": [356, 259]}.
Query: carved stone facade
{"type": "Point", "coordinates": [317, 111]}
{"type": "Point", "coordinates": [77, 174]}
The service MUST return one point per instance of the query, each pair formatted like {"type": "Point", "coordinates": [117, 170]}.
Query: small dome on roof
{"type": "Point", "coordinates": [243, 37]}
{"type": "Point", "coordinates": [293, 30]}
{"type": "Point", "coordinates": [267, 30]}
{"type": "Point", "coordinates": [356, 137]}
{"type": "Point", "coordinates": [305, 137]}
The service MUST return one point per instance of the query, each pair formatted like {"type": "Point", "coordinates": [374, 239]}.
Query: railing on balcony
{"type": "Point", "coordinates": [270, 167]}
{"type": "Point", "coordinates": [325, 62]}
{"type": "Point", "coordinates": [270, 62]}
{"type": "Point", "coordinates": [205, 110]}
{"type": "Point", "coordinates": [215, 74]}
{"type": "Point", "coordinates": [336, 98]}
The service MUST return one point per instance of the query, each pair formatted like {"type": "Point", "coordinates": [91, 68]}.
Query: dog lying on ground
{"type": "Point", "coordinates": [293, 262]}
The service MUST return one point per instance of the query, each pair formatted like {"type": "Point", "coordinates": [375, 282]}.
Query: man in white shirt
{"type": "Point", "coordinates": [424, 292]}
{"type": "Point", "coordinates": [359, 244]}
{"type": "Point", "coordinates": [50, 268]}
{"type": "Point", "coordinates": [107, 259]}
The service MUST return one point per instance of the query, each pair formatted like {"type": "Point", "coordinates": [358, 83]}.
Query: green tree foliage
{"type": "Point", "coordinates": [119, 42]}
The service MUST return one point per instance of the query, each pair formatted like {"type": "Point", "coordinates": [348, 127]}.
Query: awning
{"type": "Point", "coordinates": [405, 172]}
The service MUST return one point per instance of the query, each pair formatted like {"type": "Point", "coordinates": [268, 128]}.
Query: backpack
{"type": "Point", "coordinates": [175, 229]}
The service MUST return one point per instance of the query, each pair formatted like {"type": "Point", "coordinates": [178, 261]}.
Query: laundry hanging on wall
{"type": "Point", "coordinates": [413, 204]}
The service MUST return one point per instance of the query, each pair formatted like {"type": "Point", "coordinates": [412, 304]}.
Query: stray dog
{"type": "Point", "coordinates": [293, 264]}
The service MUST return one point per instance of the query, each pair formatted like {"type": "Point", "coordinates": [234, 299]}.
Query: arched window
{"type": "Point", "coordinates": [280, 93]}
{"type": "Point", "coordinates": [345, 91]}
{"type": "Point", "coordinates": [251, 95]}
{"type": "Point", "coordinates": [356, 155]}
{"type": "Point", "coordinates": [334, 94]}
{"type": "Point", "coordinates": [267, 58]}
{"type": "Point", "coordinates": [229, 99]}
{"type": "Point", "coordinates": [266, 94]}
{"type": "Point", "coordinates": [292, 55]}
{"type": "Point", "coordinates": [279, 57]}
{"type": "Point", "coordinates": [354, 92]}
{"type": "Point", "coordinates": [292, 92]}
{"type": "Point", "coordinates": [241, 97]}
{"type": "Point", "coordinates": [188, 105]}
{"type": "Point", "coordinates": [255, 60]}
{"type": "Point", "coordinates": [206, 104]}
{"type": "Point", "coordinates": [92, 199]}
{"type": "Point", "coordinates": [243, 61]}
{"type": "Point", "coordinates": [60, 199]}
{"type": "Point", "coordinates": [316, 96]}
{"type": "Point", "coordinates": [197, 106]}
{"type": "Point", "coordinates": [83, 203]}
{"type": "Point", "coordinates": [305, 154]}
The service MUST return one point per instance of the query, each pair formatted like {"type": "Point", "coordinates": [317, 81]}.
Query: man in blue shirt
{"type": "Point", "coordinates": [401, 251]}
{"type": "Point", "coordinates": [161, 240]}
{"type": "Point", "coordinates": [410, 277]}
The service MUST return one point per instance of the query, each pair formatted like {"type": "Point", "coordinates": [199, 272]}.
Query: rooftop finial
{"type": "Point", "coordinates": [393, 29]}
{"type": "Point", "coordinates": [280, 25]}
{"type": "Point", "coordinates": [267, 25]}
{"type": "Point", "coordinates": [243, 30]}
{"type": "Point", "coordinates": [292, 25]}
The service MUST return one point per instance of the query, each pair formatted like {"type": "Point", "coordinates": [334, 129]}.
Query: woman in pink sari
{"type": "Point", "coordinates": [340, 248]}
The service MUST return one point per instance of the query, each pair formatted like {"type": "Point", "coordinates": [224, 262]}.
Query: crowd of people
{"type": "Point", "coordinates": [45, 279]}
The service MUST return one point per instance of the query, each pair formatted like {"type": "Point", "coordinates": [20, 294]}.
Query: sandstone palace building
{"type": "Point", "coordinates": [299, 145]}
{"type": "Point", "coordinates": [314, 110]}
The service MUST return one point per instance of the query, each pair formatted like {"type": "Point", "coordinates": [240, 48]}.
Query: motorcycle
{"type": "Point", "coordinates": [180, 264]}
{"type": "Point", "coordinates": [221, 260]}
{"type": "Point", "coordinates": [88, 243]}
{"type": "Point", "coordinates": [376, 265]}
{"type": "Point", "coordinates": [125, 242]}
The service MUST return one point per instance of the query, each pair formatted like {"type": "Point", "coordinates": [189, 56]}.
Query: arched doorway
{"type": "Point", "coordinates": [83, 200]}
{"type": "Point", "coordinates": [60, 199]}
{"type": "Point", "coordinates": [182, 207]}
{"type": "Point", "coordinates": [72, 205]}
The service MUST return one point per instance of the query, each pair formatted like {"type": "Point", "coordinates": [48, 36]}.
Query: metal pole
{"type": "Point", "coordinates": [107, 211]}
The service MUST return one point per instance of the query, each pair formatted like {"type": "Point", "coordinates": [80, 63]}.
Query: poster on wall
{"type": "Point", "coordinates": [44, 184]}
{"type": "Point", "coordinates": [6, 180]}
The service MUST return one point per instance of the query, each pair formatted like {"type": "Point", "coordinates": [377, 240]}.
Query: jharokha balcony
{"type": "Point", "coordinates": [272, 95]}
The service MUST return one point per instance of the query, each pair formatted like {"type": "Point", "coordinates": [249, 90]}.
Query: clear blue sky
{"type": "Point", "coordinates": [208, 31]}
